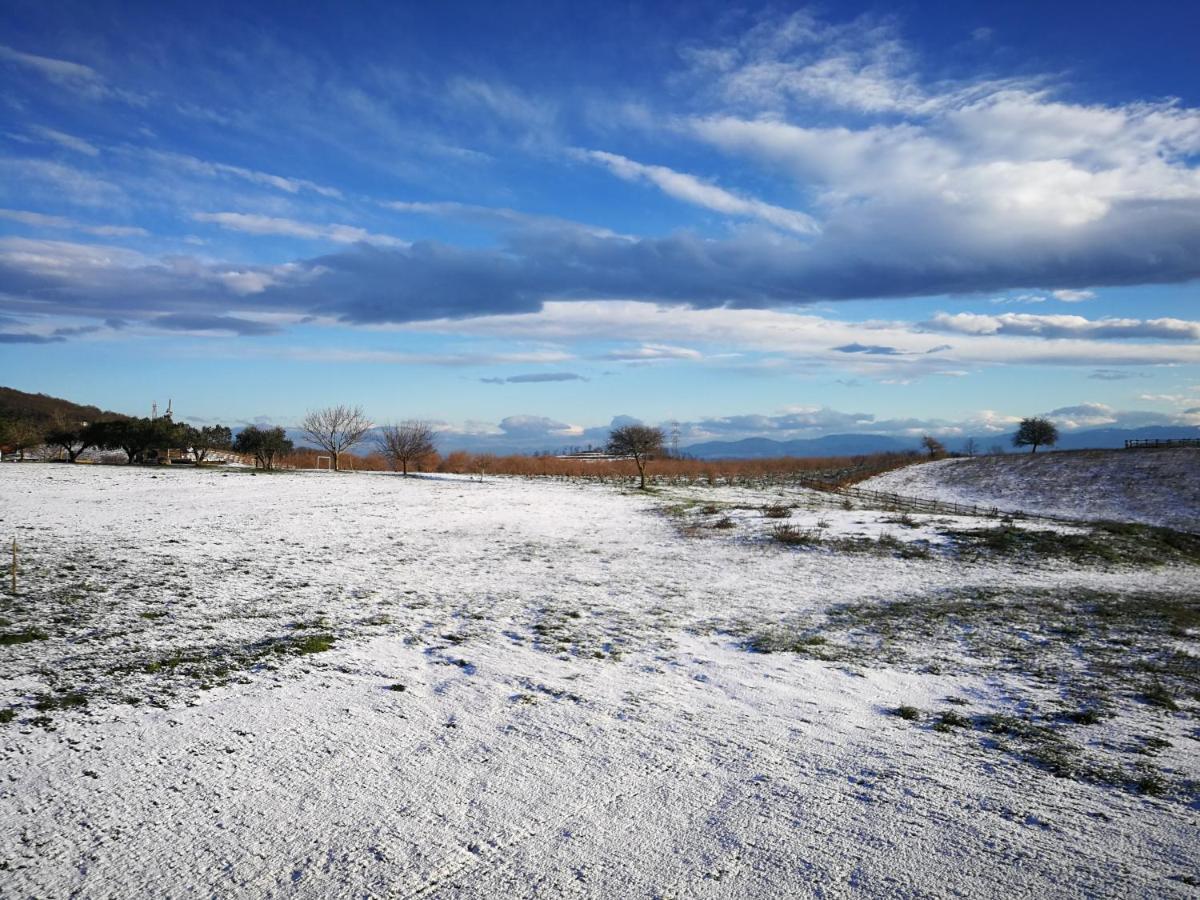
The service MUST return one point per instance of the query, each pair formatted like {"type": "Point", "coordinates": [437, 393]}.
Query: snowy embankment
{"type": "Point", "coordinates": [323, 685]}
{"type": "Point", "coordinates": [1155, 487]}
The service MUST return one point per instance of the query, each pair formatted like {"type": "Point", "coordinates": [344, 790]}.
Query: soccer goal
{"type": "Point", "coordinates": [328, 462]}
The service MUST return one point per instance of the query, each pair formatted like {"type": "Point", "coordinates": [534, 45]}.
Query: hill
{"type": "Point", "coordinates": [1155, 487]}
{"type": "Point", "coordinates": [42, 409]}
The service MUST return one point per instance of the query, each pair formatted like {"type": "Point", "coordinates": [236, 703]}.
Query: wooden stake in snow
{"type": "Point", "coordinates": [14, 566]}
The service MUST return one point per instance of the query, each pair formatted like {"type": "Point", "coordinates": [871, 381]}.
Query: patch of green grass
{"type": "Point", "coordinates": [795, 537]}
{"type": "Point", "coordinates": [1111, 542]}
{"type": "Point", "coordinates": [9, 638]}
{"type": "Point", "coordinates": [950, 719]}
{"type": "Point", "coordinates": [1151, 783]}
{"type": "Point", "coordinates": [1097, 653]}
{"type": "Point", "coordinates": [777, 511]}
{"type": "Point", "coordinates": [7, 715]}
{"type": "Point", "coordinates": [781, 641]}
{"type": "Point", "coordinates": [1157, 695]}
{"type": "Point", "coordinates": [66, 700]}
{"type": "Point", "coordinates": [312, 643]}
{"type": "Point", "coordinates": [908, 713]}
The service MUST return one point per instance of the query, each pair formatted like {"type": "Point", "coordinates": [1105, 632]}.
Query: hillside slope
{"type": "Point", "coordinates": [43, 409]}
{"type": "Point", "coordinates": [1159, 487]}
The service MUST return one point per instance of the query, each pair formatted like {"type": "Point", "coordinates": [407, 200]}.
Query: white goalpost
{"type": "Point", "coordinates": [328, 463]}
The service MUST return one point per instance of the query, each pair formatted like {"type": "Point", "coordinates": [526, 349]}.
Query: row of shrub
{"type": "Point", "coordinates": [839, 470]}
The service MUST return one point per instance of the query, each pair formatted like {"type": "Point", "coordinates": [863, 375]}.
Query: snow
{"type": "Point", "coordinates": [579, 715]}
{"type": "Point", "coordinates": [1156, 487]}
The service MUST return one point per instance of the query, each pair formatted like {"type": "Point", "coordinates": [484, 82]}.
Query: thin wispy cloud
{"type": "Point", "coordinates": [257, 224]}
{"type": "Point", "coordinates": [691, 189]}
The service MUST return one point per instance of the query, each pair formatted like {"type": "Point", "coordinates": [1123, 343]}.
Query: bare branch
{"type": "Point", "coordinates": [405, 443]}
{"type": "Point", "coordinates": [336, 429]}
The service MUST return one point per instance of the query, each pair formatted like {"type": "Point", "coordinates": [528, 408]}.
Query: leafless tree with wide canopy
{"type": "Point", "coordinates": [405, 443]}
{"type": "Point", "coordinates": [336, 429]}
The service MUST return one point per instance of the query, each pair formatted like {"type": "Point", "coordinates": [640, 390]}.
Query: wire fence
{"type": "Point", "coordinates": [922, 504]}
{"type": "Point", "coordinates": [1162, 442]}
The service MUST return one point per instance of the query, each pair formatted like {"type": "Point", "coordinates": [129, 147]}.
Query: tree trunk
{"type": "Point", "coordinates": [404, 466]}
{"type": "Point", "coordinates": [336, 461]}
{"type": "Point", "coordinates": [641, 464]}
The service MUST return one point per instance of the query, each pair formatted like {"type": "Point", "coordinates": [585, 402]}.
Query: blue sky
{"type": "Point", "coordinates": [523, 220]}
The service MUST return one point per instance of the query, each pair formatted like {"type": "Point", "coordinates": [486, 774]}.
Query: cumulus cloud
{"type": "Point", "coordinates": [841, 141]}
{"type": "Point", "coordinates": [998, 173]}
{"type": "Point", "coordinates": [526, 427]}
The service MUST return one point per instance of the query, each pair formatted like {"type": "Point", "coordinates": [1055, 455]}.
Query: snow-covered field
{"type": "Point", "coordinates": [322, 685]}
{"type": "Point", "coordinates": [1158, 487]}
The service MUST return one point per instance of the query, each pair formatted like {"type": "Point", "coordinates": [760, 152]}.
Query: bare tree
{"type": "Point", "coordinates": [638, 441]}
{"type": "Point", "coordinates": [935, 447]}
{"type": "Point", "coordinates": [970, 447]}
{"type": "Point", "coordinates": [336, 429]}
{"type": "Point", "coordinates": [405, 443]}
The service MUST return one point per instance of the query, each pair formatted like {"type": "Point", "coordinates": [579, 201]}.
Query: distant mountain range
{"type": "Point", "coordinates": [862, 444]}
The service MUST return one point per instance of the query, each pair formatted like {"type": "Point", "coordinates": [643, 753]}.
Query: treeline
{"type": "Point", "coordinates": [633, 450]}
{"type": "Point", "coordinates": [145, 440]}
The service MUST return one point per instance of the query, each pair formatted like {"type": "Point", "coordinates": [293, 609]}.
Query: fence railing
{"type": "Point", "coordinates": [1162, 442]}
{"type": "Point", "coordinates": [922, 504]}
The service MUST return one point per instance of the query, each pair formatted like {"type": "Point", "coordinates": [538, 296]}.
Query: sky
{"type": "Point", "coordinates": [524, 221]}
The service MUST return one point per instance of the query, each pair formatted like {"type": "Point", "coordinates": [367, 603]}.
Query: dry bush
{"type": "Point", "coordinates": [835, 470]}
{"type": "Point", "coordinates": [838, 471]}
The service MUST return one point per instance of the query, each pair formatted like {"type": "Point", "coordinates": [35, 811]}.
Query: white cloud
{"type": "Point", "coordinates": [73, 76]}
{"type": "Point", "coordinates": [807, 340]}
{"type": "Point", "coordinates": [60, 71]}
{"type": "Point", "coordinates": [691, 189]}
{"type": "Point", "coordinates": [61, 182]}
{"type": "Point", "coordinates": [250, 223]}
{"type": "Point", "coordinates": [79, 145]}
{"type": "Point", "coordinates": [215, 169]}
{"type": "Point", "coordinates": [1073, 296]}
{"type": "Point", "coordinates": [647, 352]}
{"type": "Point", "coordinates": [40, 220]}
{"type": "Point", "coordinates": [1063, 326]}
